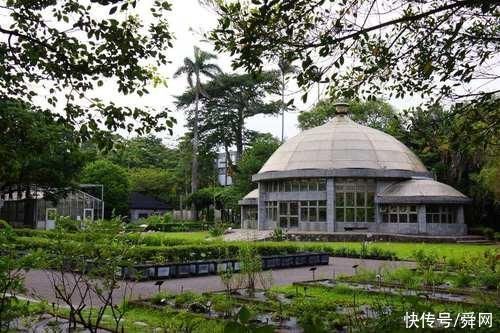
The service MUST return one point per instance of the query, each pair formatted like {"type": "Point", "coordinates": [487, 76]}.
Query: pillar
{"type": "Point", "coordinates": [330, 204]}
{"type": "Point", "coordinates": [422, 222]}
{"type": "Point", "coordinates": [261, 210]}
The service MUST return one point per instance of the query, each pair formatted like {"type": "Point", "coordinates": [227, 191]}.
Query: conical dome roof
{"type": "Point", "coordinates": [343, 144]}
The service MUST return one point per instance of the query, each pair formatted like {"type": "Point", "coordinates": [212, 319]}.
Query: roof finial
{"type": "Point", "coordinates": [341, 108]}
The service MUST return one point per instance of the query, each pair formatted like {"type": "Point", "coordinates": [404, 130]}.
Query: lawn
{"type": "Point", "coordinates": [406, 250]}
{"type": "Point", "coordinates": [403, 251]}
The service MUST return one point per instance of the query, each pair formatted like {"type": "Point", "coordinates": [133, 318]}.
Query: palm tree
{"type": "Point", "coordinates": [195, 68]}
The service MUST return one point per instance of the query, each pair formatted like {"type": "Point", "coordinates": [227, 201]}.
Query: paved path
{"type": "Point", "coordinates": [38, 283]}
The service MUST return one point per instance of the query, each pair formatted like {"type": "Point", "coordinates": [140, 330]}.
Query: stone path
{"type": "Point", "coordinates": [38, 283]}
{"type": "Point", "coordinates": [247, 235]}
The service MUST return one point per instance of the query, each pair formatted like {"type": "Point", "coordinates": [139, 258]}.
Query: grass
{"type": "Point", "coordinates": [403, 251]}
{"type": "Point", "coordinates": [140, 319]}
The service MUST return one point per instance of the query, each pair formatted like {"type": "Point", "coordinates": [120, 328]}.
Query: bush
{"type": "Point", "coordinates": [496, 236]}
{"type": "Point", "coordinates": [488, 233]}
{"type": "Point", "coordinates": [278, 235]}
{"type": "Point", "coordinates": [217, 230]}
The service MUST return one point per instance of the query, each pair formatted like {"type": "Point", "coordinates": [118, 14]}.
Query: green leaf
{"type": "Point", "coordinates": [244, 315]}
{"type": "Point", "coordinates": [113, 10]}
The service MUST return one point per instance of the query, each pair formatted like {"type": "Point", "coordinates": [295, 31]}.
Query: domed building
{"type": "Point", "coordinates": [343, 176]}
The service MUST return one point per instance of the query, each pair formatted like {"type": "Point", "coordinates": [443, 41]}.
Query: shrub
{"type": "Point", "coordinates": [488, 233]}
{"type": "Point", "coordinates": [496, 236]}
{"type": "Point", "coordinates": [279, 235]}
{"type": "Point", "coordinates": [217, 230]}
{"type": "Point", "coordinates": [463, 280]}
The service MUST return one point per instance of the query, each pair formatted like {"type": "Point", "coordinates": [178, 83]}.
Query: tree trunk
{"type": "Point", "coordinates": [239, 136]}
{"type": "Point", "coordinates": [194, 163]}
{"type": "Point", "coordinates": [282, 106]}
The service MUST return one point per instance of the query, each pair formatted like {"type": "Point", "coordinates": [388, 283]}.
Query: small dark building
{"type": "Point", "coordinates": [142, 205]}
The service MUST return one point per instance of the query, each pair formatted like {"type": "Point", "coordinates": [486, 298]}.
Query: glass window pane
{"type": "Point", "coordinates": [435, 218]}
{"type": "Point", "coordinates": [360, 199]}
{"type": "Point", "coordinates": [312, 214]}
{"type": "Point", "coordinates": [283, 208]}
{"type": "Point", "coordinates": [385, 218]}
{"type": "Point", "coordinates": [403, 218]}
{"type": "Point", "coordinates": [370, 199]}
{"type": "Point", "coordinates": [295, 185]}
{"type": "Point", "coordinates": [339, 215]}
{"type": "Point", "coordinates": [313, 185]}
{"type": "Point", "coordinates": [339, 199]}
{"type": "Point", "coordinates": [322, 185]}
{"type": "Point", "coordinates": [313, 203]}
{"type": "Point", "coordinates": [360, 215]}
{"type": "Point", "coordinates": [349, 199]}
{"type": "Point", "coordinates": [349, 215]}
{"type": "Point", "coordinates": [288, 186]}
{"type": "Point", "coordinates": [322, 203]}
{"type": "Point", "coordinates": [294, 208]}
{"type": "Point", "coordinates": [370, 215]}
{"type": "Point", "coordinates": [322, 214]}
{"type": "Point", "coordinates": [413, 209]}
{"type": "Point", "coordinates": [303, 214]}
{"type": "Point", "coordinates": [304, 185]}
{"type": "Point", "coordinates": [394, 218]}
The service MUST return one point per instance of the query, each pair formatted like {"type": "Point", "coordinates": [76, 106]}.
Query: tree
{"type": "Point", "coordinates": [364, 48]}
{"type": "Point", "coordinates": [70, 48]}
{"type": "Point", "coordinates": [143, 152]}
{"type": "Point", "coordinates": [377, 114]}
{"type": "Point", "coordinates": [197, 67]}
{"type": "Point", "coordinates": [229, 100]}
{"type": "Point", "coordinates": [459, 145]}
{"type": "Point", "coordinates": [252, 160]}
{"type": "Point", "coordinates": [158, 183]}
{"type": "Point", "coordinates": [116, 185]}
{"type": "Point", "coordinates": [286, 68]}
{"type": "Point", "coordinates": [36, 149]}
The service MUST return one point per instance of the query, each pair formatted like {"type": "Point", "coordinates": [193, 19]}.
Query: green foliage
{"type": "Point", "coordinates": [258, 152]}
{"type": "Point", "coordinates": [377, 114]}
{"type": "Point", "coordinates": [64, 57]}
{"type": "Point", "coordinates": [146, 152]}
{"type": "Point", "coordinates": [217, 230]}
{"type": "Point", "coordinates": [242, 323]}
{"type": "Point", "coordinates": [13, 266]}
{"type": "Point", "coordinates": [228, 100]}
{"type": "Point", "coordinates": [116, 185]}
{"type": "Point", "coordinates": [279, 235]}
{"type": "Point", "coordinates": [36, 148]}
{"type": "Point", "coordinates": [411, 50]}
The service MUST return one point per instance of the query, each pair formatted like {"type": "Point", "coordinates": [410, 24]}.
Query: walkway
{"type": "Point", "coordinates": [38, 283]}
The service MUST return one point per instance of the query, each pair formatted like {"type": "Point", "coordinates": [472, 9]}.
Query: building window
{"type": "Point", "coordinates": [399, 213]}
{"type": "Point", "coordinates": [295, 185]}
{"type": "Point", "coordinates": [354, 200]}
{"type": "Point", "coordinates": [440, 214]}
{"type": "Point", "coordinates": [272, 210]}
{"type": "Point", "coordinates": [313, 211]}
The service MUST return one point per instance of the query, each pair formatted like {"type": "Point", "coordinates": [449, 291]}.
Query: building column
{"type": "Point", "coordinates": [421, 218]}
{"type": "Point", "coordinates": [261, 210]}
{"type": "Point", "coordinates": [461, 219]}
{"type": "Point", "coordinates": [330, 204]}
{"type": "Point", "coordinates": [241, 217]}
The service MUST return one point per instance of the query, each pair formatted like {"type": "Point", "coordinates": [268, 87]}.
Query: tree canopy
{"type": "Point", "coordinates": [68, 49]}
{"type": "Point", "coordinates": [116, 185]}
{"type": "Point", "coordinates": [228, 100]}
{"type": "Point", "coordinates": [370, 47]}
{"type": "Point", "coordinates": [377, 114]}
{"type": "Point", "coordinates": [36, 149]}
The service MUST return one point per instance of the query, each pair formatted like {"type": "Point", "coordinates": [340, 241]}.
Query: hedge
{"type": "Point", "coordinates": [215, 250]}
